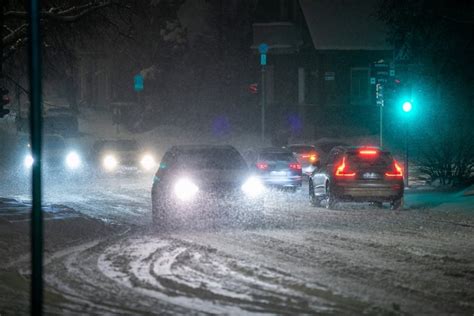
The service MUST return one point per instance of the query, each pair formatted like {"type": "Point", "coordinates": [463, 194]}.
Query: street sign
{"type": "Point", "coordinates": [253, 88]}
{"type": "Point", "coordinates": [263, 48]}
{"type": "Point", "coordinates": [138, 82]}
{"type": "Point", "coordinates": [329, 76]}
{"type": "Point", "coordinates": [379, 94]}
{"type": "Point", "coordinates": [380, 71]}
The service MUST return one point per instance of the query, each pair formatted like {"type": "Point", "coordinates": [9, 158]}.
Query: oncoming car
{"type": "Point", "coordinates": [210, 180]}
{"type": "Point", "coordinates": [57, 156]}
{"type": "Point", "coordinates": [123, 155]}
{"type": "Point", "coordinates": [358, 174]}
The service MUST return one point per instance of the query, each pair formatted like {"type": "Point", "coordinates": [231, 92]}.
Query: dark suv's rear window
{"type": "Point", "coordinates": [381, 160]}
{"type": "Point", "coordinates": [277, 157]}
{"type": "Point", "coordinates": [213, 159]}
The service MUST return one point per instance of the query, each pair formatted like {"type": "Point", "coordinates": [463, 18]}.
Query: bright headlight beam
{"type": "Point", "coordinates": [110, 162]}
{"type": "Point", "coordinates": [253, 187]}
{"type": "Point", "coordinates": [185, 189]}
{"type": "Point", "coordinates": [73, 161]}
{"type": "Point", "coordinates": [148, 162]}
{"type": "Point", "coordinates": [28, 161]}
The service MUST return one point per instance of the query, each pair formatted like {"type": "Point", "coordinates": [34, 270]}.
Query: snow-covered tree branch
{"type": "Point", "coordinates": [15, 26]}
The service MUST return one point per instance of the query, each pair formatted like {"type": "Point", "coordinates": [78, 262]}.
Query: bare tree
{"type": "Point", "coordinates": [53, 15]}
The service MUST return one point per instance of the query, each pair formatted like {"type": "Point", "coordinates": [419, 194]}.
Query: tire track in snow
{"type": "Point", "coordinates": [200, 278]}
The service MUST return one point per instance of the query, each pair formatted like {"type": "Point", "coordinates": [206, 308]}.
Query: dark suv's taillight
{"type": "Point", "coordinates": [396, 172]}
{"type": "Point", "coordinates": [343, 169]}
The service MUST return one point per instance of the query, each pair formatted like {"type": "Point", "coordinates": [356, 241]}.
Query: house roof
{"type": "Point", "coordinates": [344, 25]}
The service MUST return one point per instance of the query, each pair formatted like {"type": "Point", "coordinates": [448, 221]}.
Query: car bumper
{"type": "Point", "coordinates": [370, 192]}
{"type": "Point", "coordinates": [293, 181]}
{"type": "Point", "coordinates": [211, 204]}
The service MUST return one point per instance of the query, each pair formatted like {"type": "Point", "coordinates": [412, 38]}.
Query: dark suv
{"type": "Point", "coordinates": [357, 174]}
{"type": "Point", "coordinates": [203, 181]}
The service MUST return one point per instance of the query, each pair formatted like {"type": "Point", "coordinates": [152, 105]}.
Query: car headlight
{"type": "Point", "coordinates": [110, 162]}
{"type": "Point", "coordinates": [185, 189]}
{"type": "Point", "coordinates": [73, 161]}
{"type": "Point", "coordinates": [253, 187]}
{"type": "Point", "coordinates": [28, 161]}
{"type": "Point", "coordinates": [148, 162]}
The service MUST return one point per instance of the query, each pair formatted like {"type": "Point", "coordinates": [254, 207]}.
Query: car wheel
{"type": "Point", "coordinates": [312, 197]}
{"type": "Point", "coordinates": [396, 204]}
{"type": "Point", "coordinates": [378, 204]}
{"type": "Point", "coordinates": [330, 199]}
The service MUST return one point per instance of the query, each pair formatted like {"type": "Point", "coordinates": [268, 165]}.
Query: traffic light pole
{"type": "Point", "coordinates": [379, 96]}
{"type": "Point", "coordinates": [406, 153]}
{"type": "Point", "coordinates": [263, 103]}
{"type": "Point", "coordinates": [36, 140]}
{"type": "Point", "coordinates": [381, 126]}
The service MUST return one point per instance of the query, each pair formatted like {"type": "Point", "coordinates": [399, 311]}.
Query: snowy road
{"type": "Point", "coordinates": [303, 260]}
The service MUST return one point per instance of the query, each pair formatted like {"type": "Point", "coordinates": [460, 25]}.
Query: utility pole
{"type": "Point", "coordinates": [406, 154]}
{"type": "Point", "coordinates": [380, 72]}
{"type": "Point", "coordinates": [263, 103]}
{"type": "Point", "coordinates": [407, 107]}
{"type": "Point", "coordinates": [34, 56]}
{"type": "Point", "coordinates": [263, 49]}
{"type": "Point", "coordinates": [2, 21]}
{"type": "Point", "coordinates": [380, 103]}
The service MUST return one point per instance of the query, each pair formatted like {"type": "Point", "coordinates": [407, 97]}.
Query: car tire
{"type": "Point", "coordinates": [313, 200]}
{"type": "Point", "coordinates": [331, 200]}
{"type": "Point", "coordinates": [377, 204]}
{"type": "Point", "coordinates": [397, 204]}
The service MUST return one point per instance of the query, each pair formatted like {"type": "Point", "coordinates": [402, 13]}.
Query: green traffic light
{"type": "Point", "coordinates": [407, 106]}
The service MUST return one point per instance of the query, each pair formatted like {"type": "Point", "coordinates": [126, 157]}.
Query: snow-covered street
{"type": "Point", "coordinates": [103, 256]}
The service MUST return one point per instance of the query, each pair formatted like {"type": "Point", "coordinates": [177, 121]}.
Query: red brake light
{"type": "Point", "coordinates": [295, 166]}
{"type": "Point", "coordinates": [368, 152]}
{"type": "Point", "coordinates": [311, 157]}
{"type": "Point", "coordinates": [262, 165]}
{"type": "Point", "coordinates": [342, 170]}
{"type": "Point", "coordinates": [398, 172]}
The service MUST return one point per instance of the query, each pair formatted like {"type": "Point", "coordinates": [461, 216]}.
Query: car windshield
{"type": "Point", "coordinates": [54, 143]}
{"type": "Point", "coordinates": [302, 149]}
{"type": "Point", "coordinates": [211, 159]}
{"type": "Point", "coordinates": [381, 160]}
{"type": "Point", "coordinates": [120, 145]}
{"type": "Point", "coordinates": [277, 157]}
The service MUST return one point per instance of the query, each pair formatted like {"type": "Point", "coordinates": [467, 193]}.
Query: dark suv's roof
{"type": "Point", "coordinates": [183, 148]}
{"type": "Point", "coordinates": [273, 150]}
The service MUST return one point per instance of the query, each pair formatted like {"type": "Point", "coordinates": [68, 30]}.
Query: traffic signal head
{"type": "Point", "coordinates": [4, 101]}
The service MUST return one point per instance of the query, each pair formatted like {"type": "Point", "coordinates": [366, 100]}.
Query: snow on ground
{"type": "Point", "coordinates": [302, 260]}
{"type": "Point", "coordinates": [458, 201]}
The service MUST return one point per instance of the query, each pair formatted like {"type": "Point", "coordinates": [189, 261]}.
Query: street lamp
{"type": "Point", "coordinates": [406, 107]}
{"type": "Point", "coordinates": [263, 49]}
